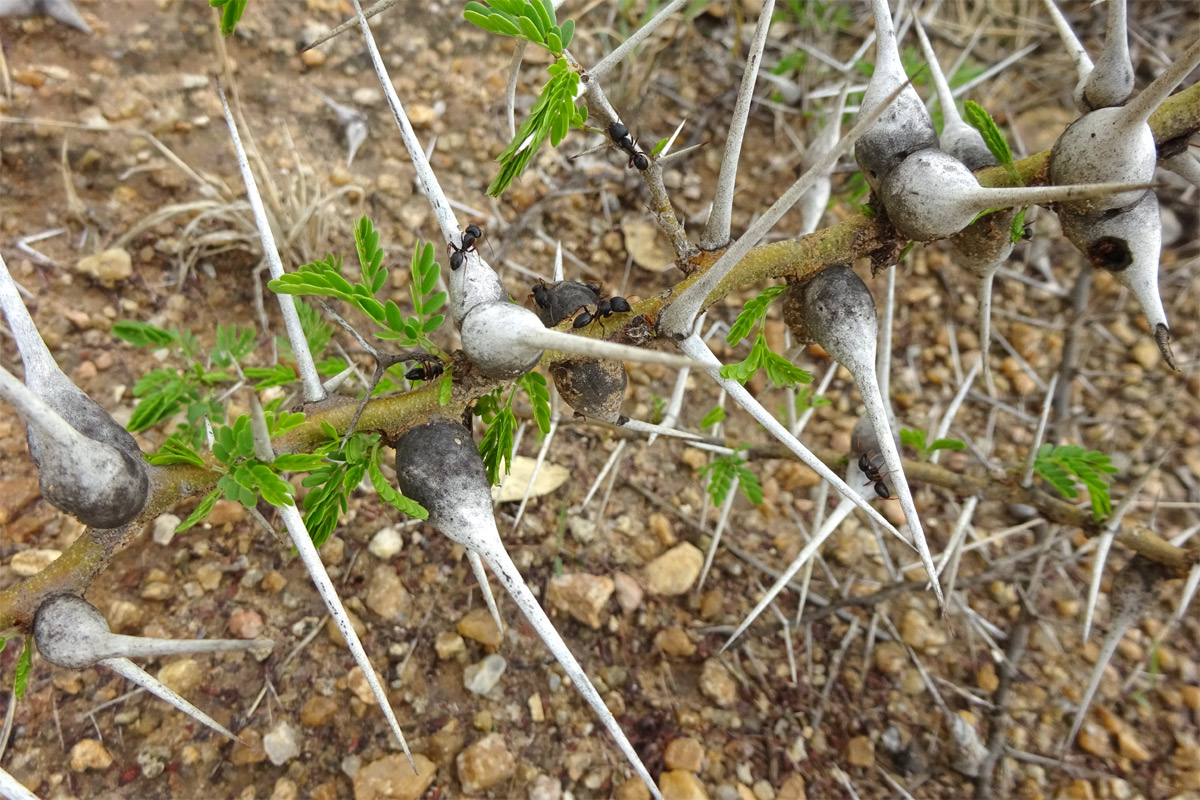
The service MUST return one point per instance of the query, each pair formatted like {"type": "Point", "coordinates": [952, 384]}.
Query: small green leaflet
{"type": "Point", "coordinates": [370, 255]}
{"type": "Point", "coordinates": [21, 675]}
{"type": "Point", "coordinates": [201, 511]}
{"type": "Point", "coordinates": [496, 447]}
{"type": "Point", "coordinates": [231, 13]}
{"type": "Point", "coordinates": [979, 119]}
{"type": "Point", "coordinates": [175, 451]}
{"type": "Point", "coordinates": [721, 473]}
{"type": "Point", "coordinates": [553, 114]}
{"type": "Point", "coordinates": [143, 334]}
{"type": "Point", "coordinates": [916, 440]}
{"type": "Point", "coordinates": [534, 385]}
{"type": "Point", "coordinates": [713, 417]}
{"type": "Point", "coordinates": [780, 371]}
{"type": "Point", "coordinates": [1057, 465]}
{"type": "Point", "coordinates": [445, 388]}
{"type": "Point", "coordinates": [266, 377]}
{"type": "Point", "coordinates": [754, 311]}
{"type": "Point", "coordinates": [532, 20]}
{"type": "Point", "coordinates": [1017, 232]}
{"type": "Point", "coordinates": [404, 504]}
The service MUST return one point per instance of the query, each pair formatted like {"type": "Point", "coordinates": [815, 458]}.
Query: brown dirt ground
{"type": "Point", "coordinates": [144, 69]}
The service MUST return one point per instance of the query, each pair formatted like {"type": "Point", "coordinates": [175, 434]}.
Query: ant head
{"type": "Point", "coordinates": [641, 161]}
{"type": "Point", "coordinates": [473, 231]}
{"type": "Point", "coordinates": [864, 462]}
{"type": "Point", "coordinates": [619, 304]}
{"type": "Point", "coordinates": [541, 295]}
{"type": "Point", "coordinates": [617, 131]}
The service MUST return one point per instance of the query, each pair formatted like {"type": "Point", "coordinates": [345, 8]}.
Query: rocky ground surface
{"type": "Point", "coordinates": [103, 134]}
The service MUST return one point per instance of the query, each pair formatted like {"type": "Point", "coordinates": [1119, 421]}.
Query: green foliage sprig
{"type": "Point", "coordinates": [231, 13]}
{"type": "Point", "coordinates": [553, 114]}
{"type": "Point", "coordinates": [532, 21]}
{"type": "Point", "coordinates": [978, 118]}
{"type": "Point", "coordinates": [723, 469]}
{"type": "Point", "coordinates": [917, 441]}
{"type": "Point", "coordinates": [324, 277]}
{"type": "Point", "coordinates": [780, 371]}
{"type": "Point", "coordinates": [1061, 465]}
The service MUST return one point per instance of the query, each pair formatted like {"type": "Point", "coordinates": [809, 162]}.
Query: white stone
{"type": "Point", "coordinates": [281, 743]}
{"type": "Point", "coordinates": [386, 543]}
{"type": "Point", "coordinates": [164, 529]}
{"type": "Point", "coordinates": [481, 678]}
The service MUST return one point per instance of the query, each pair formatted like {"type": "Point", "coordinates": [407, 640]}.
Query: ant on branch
{"type": "Point", "coordinates": [874, 476]}
{"type": "Point", "coordinates": [427, 369]}
{"type": "Point", "coordinates": [605, 308]}
{"type": "Point", "coordinates": [620, 136]}
{"type": "Point", "coordinates": [457, 254]}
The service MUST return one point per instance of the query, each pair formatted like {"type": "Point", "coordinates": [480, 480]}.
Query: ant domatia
{"type": "Point", "coordinates": [457, 254]}
{"type": "Point", "coordinates": [874, 476]}
{"type": "Point", "coordinates": [605, 308]}
{"type": "Point", "coordinates": [620, 136]}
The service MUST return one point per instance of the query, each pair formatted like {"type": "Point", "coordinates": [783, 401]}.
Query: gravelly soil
{"type": "Point", "coordinates": [856, 703]}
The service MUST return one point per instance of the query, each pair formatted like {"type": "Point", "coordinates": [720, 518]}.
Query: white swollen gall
{"type": "Point", "coordinates": [905, 126]}
{"type": "Point", "coordinates": [1127, 244]}
{"type": "Point", "coordinates": [438, 465]}
{"type": "Point", "coordinates": [1111, 80]}
{"type": "Point", "coordinates": [1104, 145]}
{"type": "Point", "coordinates": [838, 312]}
{"type": "Point", "coordinates": [932, 195]}
{"type": "Point", "coordinates": [99, 484]}
{"type": "Point", "coordinates": [71, 633]}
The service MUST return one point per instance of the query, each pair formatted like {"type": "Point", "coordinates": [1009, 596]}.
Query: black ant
{"type": "Point", "coordinates": [457, 254]}
{"type": "Point", "coordinates": [620, 135]}
{"type": "Point", "coordinates": [427, 369]}
{"type": "Point", "coordinates": [541, 294]}
{"type": "Point", "coordinates": [874, 476]}
{"type": "Point", "coordinates": [605, 308]}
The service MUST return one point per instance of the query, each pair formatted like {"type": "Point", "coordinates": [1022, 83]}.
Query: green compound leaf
{"type": "Point", "coordinates": [979, 119]}
{"type": "Point", "coordinates": [404, 504]}
{"type": "Point", "coordinates": [21, 674]}
{"type": "Point", "coordinates": [1017, 231]}
{"type": "Point", "coordinates": [754, 311]}
{"type": "Point", "coordinates": [231, 13]}
{"type": "Point", "coordinates": [1061, 465]}
{"type": "Point", "coordinates": [721, 472]}
{"type": "Point", "coordinates": [713, 417]}
{"type": "Point", "coordinates": [553, 113]}
{"type": "Point", "coordinates": [446, 388]}
{"type": "Point", "coordinates": [534, 385]}
{"type": "Point", "coordinates": [947, 444]}
{"type": "Point", "coordinates": [266, 377]}
{"type": "Point", "coordinates": [913, 439]}
{"type": "Point", "coordinates": [370, 255]}
{"type": "Point", "coordinates": [496, 447]}
{"type": "Point", "coordinates": [143, 334]}
{"type": "Point", "coordinates": [175, 451]}
{"type": "Point", "coordinates": [201, 512]}
{"type": "Point", "coordinates": [780, 371]}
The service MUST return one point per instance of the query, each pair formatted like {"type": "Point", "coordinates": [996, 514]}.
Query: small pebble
{"type": "Point", "coordinates": [484, 764]}
{"type": "Point", "coordinates": [281, 743]}
{"type": "Point", "coordinates": [482, 677]}
{"type": "Point", "coordinates": [386, 595]}
{"type": "Point", "coordinates": [629, 592]}
{"type": "Point", "coordinates": [318, 710]}
{"type": "Point", "coordinates": [392, 778]}
{"type": "Point", "coordinates": [678, 784]}
{"type": "Point", "coordinates": [285, 789]}
{"type": "Point", "coordinates": [246, 623]}
{"type": "Point", "coordinates": [164, 529]}
{"type": "Point", "coordinates": [367, 96]}
{"type": "Point", "coordinates": [674, 641]}
{"type": "Point", "coordinates": [684, 753]}
{"type": "Point", "coordinates": [581, 595]}
{"type": "Point", "coordinates": [537, 712]}
{"type": "Point", "coordinates": [386, 543]}
{"type": "Point", "coordinates": [793, 789]}
{"type": "Point", "coordinates": [717, 684]}
{"type": "Point", "coordinates": [674, 572]}
{"type": "Point", "coordinates": [543, 787]}
{"type": "Point", "coordinates": [860, 751]}
{"type": "Point", "coordinates": [226, 512]}
{"type": "Point", "coordinates": [184, 675]}
{"type": "Point", "coordinates": [357, 681]}
{"type": "Point", "coordinates": [632, 789]}
{"type": "Point", "coordinates": [312, 58]}
{"type": "Point", "coordinates": [107, 268]}
{"type": "Point", "coordinates": [449, 645]}
{"type": "Point", "coordinates": [89, 754]}
{"type": "Point", "coordinates": [273, 582]}
{"type": "Point", "coordinates": [479, 625]}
